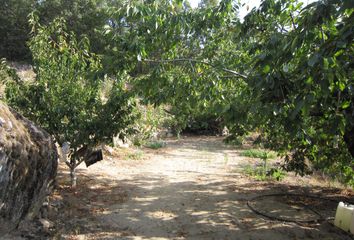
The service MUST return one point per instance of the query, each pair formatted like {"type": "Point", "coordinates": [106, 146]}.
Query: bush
{"type": "Point", "coordinates": [155, 145]}
{"type": "Point", "coordinates": [138, 155]}
{"type": "Point", "coordinates": [259, 153]}
{"type": "Point", "coordinates": [260, 174]}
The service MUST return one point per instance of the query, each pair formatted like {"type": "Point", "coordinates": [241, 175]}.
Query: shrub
{"type": "Point", "coordinates": [155, 145]}
{"type": "Point", "coordinates": [259, 153]}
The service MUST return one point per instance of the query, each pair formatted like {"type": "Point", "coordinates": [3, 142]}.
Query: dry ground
{"type": "Point", "coordinates": [191, 189]}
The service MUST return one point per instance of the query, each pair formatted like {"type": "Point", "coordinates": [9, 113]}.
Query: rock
{"type": "Point", "coordinates": [46, 224]}
{"type": "Point", "coordinates": [28, 166]}
{"type": "Point", "coordinates": [118, 142]}
{"type": "Point", "coordinates": [225, 132]}
{"type": "Point", "coordinates": [108, 150]}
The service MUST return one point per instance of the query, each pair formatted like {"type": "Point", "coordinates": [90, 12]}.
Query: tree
{"type": "Point", "coordinates": [302, 79]}
{"type": "Point", "coordinates": [66, 97]}
{"type": "Point", "coordinates": [285, 71]}
{"type": "Point", "coordinates": [14, 28]}
{"type": "Point", "coordinates": [84, 17]}
{"type": "Point", "coordinates": [169, 30]}
{"type": "Point", "coordinates": [208, 3]}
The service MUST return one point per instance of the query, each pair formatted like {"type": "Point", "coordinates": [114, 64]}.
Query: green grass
{"type": "Point", "coordinates": [138, 155]}
{"type": "Point", "coordinates": [259, 173]}
{"type": "Point", "coordinates": [155, 145]}
{"type": "Point", "coordinates": [259, 153]}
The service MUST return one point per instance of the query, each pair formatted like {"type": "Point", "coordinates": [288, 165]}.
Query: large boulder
{"type": "Point", "coordinates": [28, 166]}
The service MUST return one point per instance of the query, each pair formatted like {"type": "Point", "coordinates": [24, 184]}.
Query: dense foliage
{"type": "Point", "coordinates": [285, 71]}
{"type": "Point", "coordinates": [67, 96]}
{"type": "Point", "coordinates": [84, 17]}
{"type": "Point", "coordinates": [302, 80]}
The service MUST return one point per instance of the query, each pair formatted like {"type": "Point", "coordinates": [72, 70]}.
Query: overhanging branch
{"type": "Point", "coordinates": [196, 61]}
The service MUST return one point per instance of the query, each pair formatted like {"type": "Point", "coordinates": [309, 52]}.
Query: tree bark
{"type": "Point", "coordinates": [349, 140]}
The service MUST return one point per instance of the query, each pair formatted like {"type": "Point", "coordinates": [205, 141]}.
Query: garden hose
{"type": "Point", "coordinates": [318, 220]}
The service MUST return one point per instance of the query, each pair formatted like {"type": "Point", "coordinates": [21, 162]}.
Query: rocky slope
{"type": "Point", "coordinates": [28, 166]}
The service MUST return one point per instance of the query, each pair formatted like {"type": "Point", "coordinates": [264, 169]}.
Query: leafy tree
{"type": "Point", "coordinates": [84, 17]}
{"type": "Point", "coordinates": [14, 28]}
{"type": "Point", "coordinates": [301, 79]}
{"type": "Point", "coordinates": [66, 97]}
{"type": "Point", "coordinates": [7, 74]}
{"type": "Point", "coordinates": [285, 71]}
{"type": "Point", "coordinates": [170, 30]}
{"type": "Point", "coordinates": [208, 3]}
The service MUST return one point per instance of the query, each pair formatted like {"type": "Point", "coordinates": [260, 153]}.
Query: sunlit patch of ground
{"type": "Point", "coordinates": [191, 189]}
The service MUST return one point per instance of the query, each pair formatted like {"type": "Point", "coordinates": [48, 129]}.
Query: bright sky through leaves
{"type": "Point", "coordinates": [247, 7]}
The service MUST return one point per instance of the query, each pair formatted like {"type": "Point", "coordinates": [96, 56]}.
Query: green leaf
{"type": "Point", "coordinates": [345, 104]}
{"type": "Point", "coordinates": [266, 69]}
{"type": "Point", "coordinates": [313, 60]}
{"type": "Point", "coordinates": [341, 86]}
{"type": "Point", "coordinates": [325, 63]}
{"type": "Point", "coordinates": [299, 105]}
{"type": "Point", "coordinates": [309, 80]}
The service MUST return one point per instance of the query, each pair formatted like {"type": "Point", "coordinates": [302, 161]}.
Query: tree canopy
{"type": "Point", "coordinates": [286, 70]}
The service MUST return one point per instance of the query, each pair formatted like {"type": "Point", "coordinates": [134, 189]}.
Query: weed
{"type": "Point", "coordinates": [155, 145]}
{"type": "Point", "coordinates": [260, 174]}
{"type": "Point", "coordinates": [262, 154]}
{"type": "Point", "coordinates": [138, 155]}
{"type": "Point", "coordinates": [259, 153]}
{"type": "Point", "coordinates": [276, 173]}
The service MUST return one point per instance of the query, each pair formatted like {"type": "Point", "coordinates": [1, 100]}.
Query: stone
{"type": "Point", "coordinates": [28, 166]}
{"type": "Point", "coordinates": [46, 224]}
{"type": "Point", "coordinates": [108, 149]}
{"type": "Point", "coordinates": [118, 142]}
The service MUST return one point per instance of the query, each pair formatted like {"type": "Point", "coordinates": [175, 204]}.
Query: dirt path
{"type": "Point", "coordinates": [192, 189]}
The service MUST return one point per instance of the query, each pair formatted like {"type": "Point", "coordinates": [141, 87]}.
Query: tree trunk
{"type": "Point", "coordinates": [349, 140]}
{"type": "Point", "coordinates": [73, 177]}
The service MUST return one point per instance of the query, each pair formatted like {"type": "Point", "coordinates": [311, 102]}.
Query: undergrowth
{"type": "Point", "coordinates": [260, 174]}
{"type": "Point", "coordinates": [155, 144]}
{"type": "Point", "coordinates": [138, 155]}
{"type": "Point", "coordinates": [259, 153]}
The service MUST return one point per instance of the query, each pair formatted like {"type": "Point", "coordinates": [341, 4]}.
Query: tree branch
{"type": "Point", "coordinates": [196, 61]}
{"type": "Point", "coordinates": [293, 22]}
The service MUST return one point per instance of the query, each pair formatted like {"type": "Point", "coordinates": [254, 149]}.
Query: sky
{"type": "Point", "coordinates": [244, 10]}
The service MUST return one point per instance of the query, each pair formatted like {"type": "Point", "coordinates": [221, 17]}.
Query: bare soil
{"type": "Point", "coordinates": [193, 188]}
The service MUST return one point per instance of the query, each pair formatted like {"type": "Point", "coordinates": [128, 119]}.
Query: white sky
{"type": "Point", "coordinates": [243, 10]}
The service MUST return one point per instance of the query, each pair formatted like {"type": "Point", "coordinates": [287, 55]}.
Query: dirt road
{"type": "Point", "coordinates": [191, 189]}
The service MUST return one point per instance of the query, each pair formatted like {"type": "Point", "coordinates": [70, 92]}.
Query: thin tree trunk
{"type": "Point", "coordinates": [73, 173]}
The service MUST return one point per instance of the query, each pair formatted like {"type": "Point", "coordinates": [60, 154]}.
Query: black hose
{"type": "Point", "coordinates": [318, 220]}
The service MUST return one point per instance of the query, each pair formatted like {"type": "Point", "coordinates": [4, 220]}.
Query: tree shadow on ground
{"type": "Point", "coordinates": [150, 206]}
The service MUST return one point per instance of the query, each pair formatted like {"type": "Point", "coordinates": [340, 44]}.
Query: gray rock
{"type": "Point", "coordinates": [28, 166]}
{"type": "Point", "coordinates": [46, 224]}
